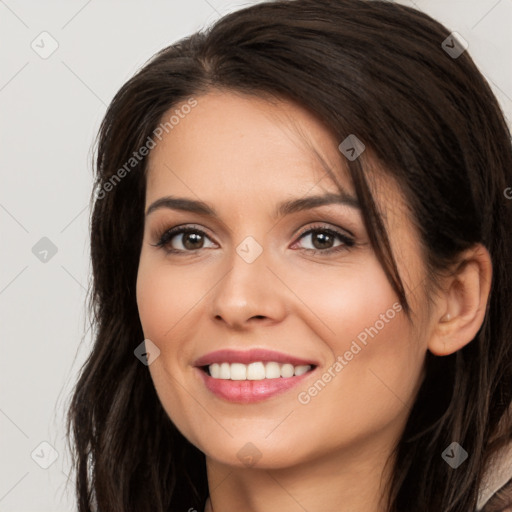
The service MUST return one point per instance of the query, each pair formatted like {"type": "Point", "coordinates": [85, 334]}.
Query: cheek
{"type": "Point", "coordinates": [164, 296]}
{"type": "Point", "coordinates": [375, 362]}
{"type": "Point", "coordinates": [360, 399]}
{"type": "Point", "coordinates": [344, 300]}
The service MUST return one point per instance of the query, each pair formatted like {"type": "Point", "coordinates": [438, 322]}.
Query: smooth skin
{"type": "Point", "coordinates": [243, 156]}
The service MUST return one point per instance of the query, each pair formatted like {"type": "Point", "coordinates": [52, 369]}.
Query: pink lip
{"type": "Point", "coordinates": [250, 356]}
{"type": "Point", "coordinates": [250, 391]}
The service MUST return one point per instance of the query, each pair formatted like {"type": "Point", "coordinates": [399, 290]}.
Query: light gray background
{"type": "Point", "coordinates": [50, 112]}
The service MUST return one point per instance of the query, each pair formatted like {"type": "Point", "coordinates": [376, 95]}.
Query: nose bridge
{"type": "Point", "coordinates": [248, 264]}
{"type": "Point", "coordinates": [250, 250]}
{"type": "Point", "coordinates": [249, 288]}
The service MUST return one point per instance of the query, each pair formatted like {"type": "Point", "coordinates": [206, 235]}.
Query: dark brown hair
{"type": "Point", "coordinates": [371, 68]}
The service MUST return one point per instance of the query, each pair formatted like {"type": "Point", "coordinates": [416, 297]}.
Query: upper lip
{"type": "Point", "coordinates": [250, 356]}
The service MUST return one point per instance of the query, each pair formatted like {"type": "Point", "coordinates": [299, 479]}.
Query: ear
{"type": "Point", "coordinates": [462, 303]}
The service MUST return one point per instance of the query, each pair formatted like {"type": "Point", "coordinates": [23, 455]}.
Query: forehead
{"type": "Point", "coordinates": [233, 140]}
{"type": "Point", "coordinates": [246, 152]}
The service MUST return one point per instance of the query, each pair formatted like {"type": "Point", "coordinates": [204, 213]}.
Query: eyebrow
{"type": "Point", "coordinates": [284, 208]}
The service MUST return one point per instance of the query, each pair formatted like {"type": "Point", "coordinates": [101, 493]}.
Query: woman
{"type": "Point", "coordinates": [301, 246]}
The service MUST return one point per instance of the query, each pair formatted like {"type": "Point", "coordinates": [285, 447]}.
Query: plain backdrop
{"type": "Point", "coordinates": [51, 108]}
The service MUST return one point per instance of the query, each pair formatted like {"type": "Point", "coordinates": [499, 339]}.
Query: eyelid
{"type": "Point", "coordinates": [323, 225]}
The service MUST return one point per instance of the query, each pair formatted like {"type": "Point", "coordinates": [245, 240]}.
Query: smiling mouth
{"type": "Point", "coordinates": [255, 371]}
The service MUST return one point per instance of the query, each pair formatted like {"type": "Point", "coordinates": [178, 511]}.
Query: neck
{"type": "Point", "coordinates": [351, 479]}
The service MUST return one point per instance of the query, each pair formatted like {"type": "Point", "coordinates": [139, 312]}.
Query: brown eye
{"type": "Point", "coordinates": [192, 241]}
{"type": "Point", "coordinates": [182, 240]}
{"type": "Point", "coordinates": [323, 240]}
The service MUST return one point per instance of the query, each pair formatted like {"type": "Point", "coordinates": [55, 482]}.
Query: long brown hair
{"type": "Point", "coordinates": [370, 68]}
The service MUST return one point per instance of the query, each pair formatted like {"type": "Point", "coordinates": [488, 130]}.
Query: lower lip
{"type": "Point", "coordinates": [250, 391]}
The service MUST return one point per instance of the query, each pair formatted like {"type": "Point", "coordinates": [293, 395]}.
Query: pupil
{"type": "Point", "coordinates": [188, 236]}
{"type": "Point", "coordinates": [323, 236]}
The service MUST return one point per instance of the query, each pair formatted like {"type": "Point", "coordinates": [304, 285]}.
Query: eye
{"type": "Point", "coordinates": [188, 239]}
{"type": "Point", "coordinates": [322, 238]}
{"type": "Point", "coordinates": [182, 240]}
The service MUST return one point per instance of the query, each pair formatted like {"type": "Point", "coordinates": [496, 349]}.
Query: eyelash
{"type": "Point", "coordinates": [168, 235]}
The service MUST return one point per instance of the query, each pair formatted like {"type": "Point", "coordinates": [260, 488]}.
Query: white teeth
{"type": "Point", "coordinates": [224, 371]}
{"type": "Point", "coordinates": [272, 370]}
{"type": "Point", "coordinates": [300, 370]}
{"type": "Point", "coordinates": [238, 371]}
{"type": "Point", "coordinates": [287, 370]}
{"type": "Point", "coordinates": [215, 370]}
{"type": "Point", "coordinates": [256, 371]}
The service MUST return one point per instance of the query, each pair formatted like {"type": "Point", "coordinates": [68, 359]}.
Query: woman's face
{"type": "Point", "coordinates": [252, 277]}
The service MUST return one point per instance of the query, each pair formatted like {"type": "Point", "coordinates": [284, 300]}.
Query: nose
{"type": "Point", "coordinates": [249, 293]}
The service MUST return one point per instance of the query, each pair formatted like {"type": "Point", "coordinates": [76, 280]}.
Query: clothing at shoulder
{"type": "Point", "coordinates": [500, 501]}
{"type": "Point", "coordinates": [495, 493]}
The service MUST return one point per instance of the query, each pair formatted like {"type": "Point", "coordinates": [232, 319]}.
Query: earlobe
{"type": "Point", "coordinates": [463, 303]}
